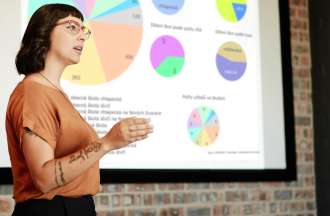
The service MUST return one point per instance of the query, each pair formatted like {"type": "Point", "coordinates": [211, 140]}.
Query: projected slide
{"type": "Point", "coordinates": [167, 56]}
{"type": "Point", "coordinates": [232, 10]}
{"type": "Point", "coordinates": [203, 126]}
{"type": "Point", "coordinates": [116, 36]}
{"type": "Point", "coordinates": [180, 74]}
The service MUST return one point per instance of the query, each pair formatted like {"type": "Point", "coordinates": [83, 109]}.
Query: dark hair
{"type": "Point", "coordinates": [36, 40]}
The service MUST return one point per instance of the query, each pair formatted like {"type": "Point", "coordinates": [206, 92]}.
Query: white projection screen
{"type": "Point", "coordinates": [213, 76]}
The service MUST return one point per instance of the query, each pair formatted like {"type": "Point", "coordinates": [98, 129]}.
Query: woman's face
{"type": "Point", "coordinates": [66, 42]}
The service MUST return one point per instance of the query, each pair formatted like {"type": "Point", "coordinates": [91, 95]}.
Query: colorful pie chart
{"type": "Point", "coordinates": [167, 56]}
{"type": "Point", "coordinates": [231, 61]}
{"type": "Point", "coordinates": [232, 10]}
{"type": "Point", "coordinates": [116, 27]}
{"type": "Point", "coordinates": [203, 126]}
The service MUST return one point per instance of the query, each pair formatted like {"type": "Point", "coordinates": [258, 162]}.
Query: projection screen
{"type": "Point", "coordinates": [213, 76]}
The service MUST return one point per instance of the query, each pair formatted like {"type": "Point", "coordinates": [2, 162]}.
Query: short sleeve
{"type": "Point", "coordinates": [39, 116]}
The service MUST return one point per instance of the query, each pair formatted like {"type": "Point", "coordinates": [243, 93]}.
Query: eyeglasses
{"type": "Point", "coordinates": [74, 27]}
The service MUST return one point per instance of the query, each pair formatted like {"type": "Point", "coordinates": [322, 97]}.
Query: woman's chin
{"type": "Point", "coordinates": [74, 61]}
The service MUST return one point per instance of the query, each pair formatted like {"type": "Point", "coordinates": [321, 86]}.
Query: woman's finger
{"type": "Point", "coordinates": [139, 127]}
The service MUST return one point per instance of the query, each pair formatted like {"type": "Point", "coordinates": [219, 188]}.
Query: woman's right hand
{"type": "Point", "coordinates": [126, 131]}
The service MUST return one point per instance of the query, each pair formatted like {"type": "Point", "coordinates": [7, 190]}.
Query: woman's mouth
{"type": "Point", "coordinates": [78, 49]}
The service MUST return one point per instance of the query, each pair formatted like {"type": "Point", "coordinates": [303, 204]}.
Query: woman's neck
{"type": "Point", "coordinates": [53, 70]}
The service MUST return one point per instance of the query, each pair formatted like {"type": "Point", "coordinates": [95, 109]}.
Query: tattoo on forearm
{"type": "Point", "coordinates": [77, 156]}
{"type": "Point", "coordinates": [57, 183]}
{"type": "Point", "coordinates": [61, 172]}
{"type": "Point", "coordinates": [94, 147]}
{"type": "Point", "coordinates": [59, 178]}
{"type": "Point", "coordinates": [84, 153]}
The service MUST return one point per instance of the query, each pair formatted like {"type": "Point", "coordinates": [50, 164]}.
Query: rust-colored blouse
{"type": "Point", "coordinates": [49, 114]}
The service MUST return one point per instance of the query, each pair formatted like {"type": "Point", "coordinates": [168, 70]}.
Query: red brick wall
{"type": "Point", "coordinates": [274, 198]}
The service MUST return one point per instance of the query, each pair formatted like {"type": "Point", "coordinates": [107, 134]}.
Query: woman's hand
{"type": "Point", "coordinates": [127, 131]}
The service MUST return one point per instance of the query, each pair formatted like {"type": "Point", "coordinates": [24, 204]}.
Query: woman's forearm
{"type": "Point", "coordinates": [60, 171]}
{"type": "Point", "coordinates": [56, 172]}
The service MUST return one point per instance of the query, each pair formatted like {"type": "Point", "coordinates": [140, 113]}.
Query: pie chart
{"type": "Point", "coordinates": [168, 7]}
{"type": "Point", "coordinates": [167, 56]}
{"type": "Point", "coordinates": [231, 61]}
{"type": "Point", "coordinates": [116, 27]}
{"type": "Point", "coordinates": [232, 10]}
{"type": "Point", "coordinates": [203, 126]}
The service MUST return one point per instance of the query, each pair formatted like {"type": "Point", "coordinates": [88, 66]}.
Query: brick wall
{"type": "Point", "coordinates": [204, 199]}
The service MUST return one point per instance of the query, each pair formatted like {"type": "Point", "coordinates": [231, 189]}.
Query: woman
{"type": "Point", "coordinates": [54, 152]}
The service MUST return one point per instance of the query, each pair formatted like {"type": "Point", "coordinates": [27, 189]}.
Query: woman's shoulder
{"type": "Point", "coordinates": [32, 92]}
{"type": "Point", "coordinates": [32, 86]}
{"type": "Point", "coordinates": [30, 96]}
